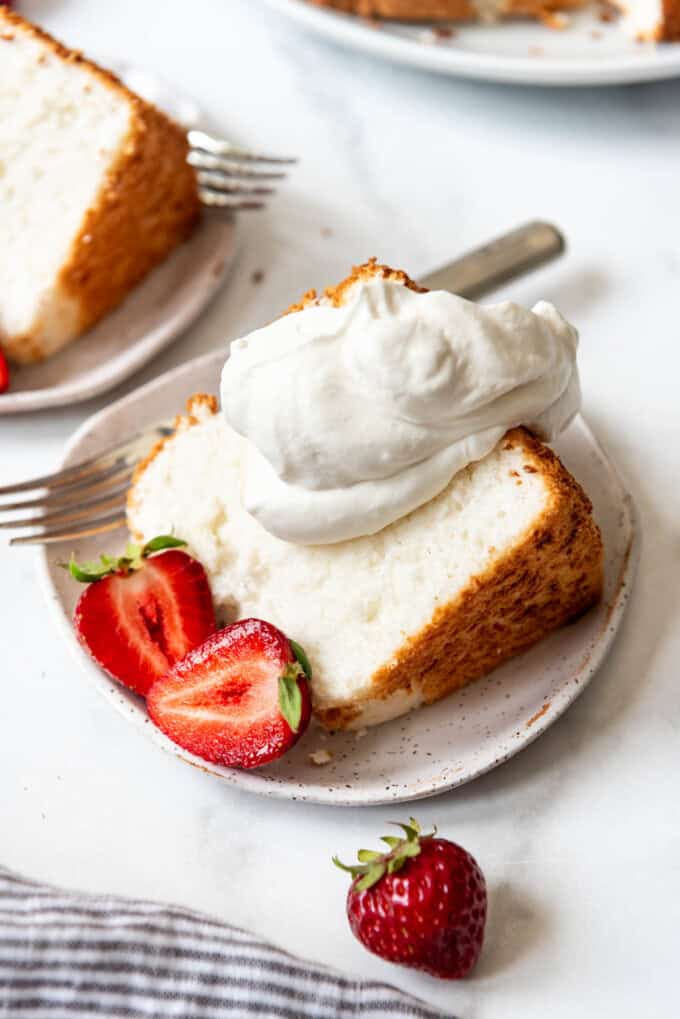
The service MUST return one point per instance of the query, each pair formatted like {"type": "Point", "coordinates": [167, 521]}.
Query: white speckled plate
{"type": "Point", "coordinates": [155, 313]}
{"type": "Point", "coordinates": [587, 52]}
{"type": "Point", "coordinates": [435, 748]}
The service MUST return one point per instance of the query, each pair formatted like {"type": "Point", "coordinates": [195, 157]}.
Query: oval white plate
{"type": "Point", "coordinates": [151, 317]}
{"type": "Point", "coordinates": [435, 748]}
{"type": "Point", "coordinates": [587, 52]}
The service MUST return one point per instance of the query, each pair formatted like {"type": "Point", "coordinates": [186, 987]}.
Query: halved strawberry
{"type": "Point", "coordinates": [240, 699]}
{"type": "Point", "coordinates": [140, 615]}
{"type": "Point", "coordinates": [4, 373]}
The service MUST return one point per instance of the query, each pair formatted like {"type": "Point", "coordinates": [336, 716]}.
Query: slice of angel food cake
{"type": "Point", "coordinates": [95, 191]}
{"type": "Point", "coordinates": [377, 483]}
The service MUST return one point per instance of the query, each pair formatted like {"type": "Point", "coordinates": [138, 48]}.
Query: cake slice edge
{"type": "Point", "coordinates": [551, 576]}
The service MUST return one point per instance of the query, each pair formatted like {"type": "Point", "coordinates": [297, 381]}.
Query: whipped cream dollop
{"type": "Point", "coordinates": [356, 415]}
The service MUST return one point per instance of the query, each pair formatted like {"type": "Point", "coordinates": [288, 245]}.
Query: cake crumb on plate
{"type": "Point", "coordinates": [321, 757]}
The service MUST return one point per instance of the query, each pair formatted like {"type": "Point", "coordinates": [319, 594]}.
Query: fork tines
{"type": "Point", "coordinates": [221, 166]}
{"type": "Point", "coordinates": [85, 499]}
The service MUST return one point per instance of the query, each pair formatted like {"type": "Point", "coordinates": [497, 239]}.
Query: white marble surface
{"type": "Point", "coordinates": [580, 835]}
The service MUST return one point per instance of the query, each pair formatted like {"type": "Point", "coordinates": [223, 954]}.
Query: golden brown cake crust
{"type": "Point", "coordinates": [464, 10]}
{"type": "Point", "coordinates": [444, 10]}
{"type": "Point", "coordinates": [669, 31]}
{"type": "Point", "coordinates": [146, 207]}
{"type": "Point", "coordinates": [404, 10]}
{"type": "Point", "coordinates": [148, 203]}
{"type": "Point", "coordinates": [551, 577]}
{"type": "Point", "coordinates": [337, 295]}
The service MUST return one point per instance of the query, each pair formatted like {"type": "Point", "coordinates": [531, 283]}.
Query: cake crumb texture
{"type": "Point", "coordinates": [551, 577]}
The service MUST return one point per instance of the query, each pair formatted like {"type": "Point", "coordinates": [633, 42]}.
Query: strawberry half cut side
{"type": "Point", "coordinates": [241, 699]}
{"type": "Point", "coordinates": [143, 611]}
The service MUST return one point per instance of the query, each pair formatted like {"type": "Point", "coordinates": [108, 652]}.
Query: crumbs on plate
{"type": "Point", "coordinates": [321, 757]}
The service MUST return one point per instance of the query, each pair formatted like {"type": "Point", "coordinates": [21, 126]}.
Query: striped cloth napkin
{"type": "Point", "coordinates": [68, 955]}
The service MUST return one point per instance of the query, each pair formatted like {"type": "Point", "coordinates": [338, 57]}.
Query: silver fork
{"type": "Point", "coordinates": [89, 498]}
{"type": "Point", "coordinates": [230, 177]}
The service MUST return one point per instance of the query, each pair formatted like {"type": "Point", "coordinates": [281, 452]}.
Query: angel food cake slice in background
{"type": "Point", "coordinates": [95, 191]}
{"type": "Point", "coordinates": [645, 20]}
{"type": "Point", "coordinates": [421, 544]}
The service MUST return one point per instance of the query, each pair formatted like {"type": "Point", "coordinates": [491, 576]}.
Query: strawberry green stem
{"type": "Point", "coordinates": [133, 559]}
{"type": "Point", "coordinates": [373, 865]}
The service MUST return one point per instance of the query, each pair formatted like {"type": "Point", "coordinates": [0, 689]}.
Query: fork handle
{"type": "Point", "coordinates": [504, 259]}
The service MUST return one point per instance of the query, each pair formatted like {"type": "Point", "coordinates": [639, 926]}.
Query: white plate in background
{"type": "Point", "coordinates": [587, 52]}
{"type": "Point", "coordinates": [435, 748]}
{"type": "Point", "coordinates": [155, 312]}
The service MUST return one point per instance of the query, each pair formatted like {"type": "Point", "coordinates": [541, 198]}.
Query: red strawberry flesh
{"type": "Point", "coordinates": [221, 702]}
{"type": "Point", "coordinates": [138, 624]}
{"type": "Point", "coordinates": [4, 373]}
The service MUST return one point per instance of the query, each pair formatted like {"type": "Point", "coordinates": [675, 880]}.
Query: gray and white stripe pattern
{"type": "Point", "coordinates": [77, 956]}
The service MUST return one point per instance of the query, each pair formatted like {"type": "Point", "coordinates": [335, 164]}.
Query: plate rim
{"type": "Point", "coordinates": [655, 65]}
{"type": "Point", "coordinates": [282, 789]}
{"type": "Point", "coordinates": [124, 365]}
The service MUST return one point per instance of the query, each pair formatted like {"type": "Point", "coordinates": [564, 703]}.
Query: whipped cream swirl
{"type": "Point", "coordinates": [356, 415]}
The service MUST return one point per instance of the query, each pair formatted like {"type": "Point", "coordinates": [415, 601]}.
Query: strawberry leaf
{"type": "Point", "coordinates": [161, 543]}
{"type": "Point", "coordinates": [133, 559]}
{"type": "Point", "coordinates": [290, 697]}
{"type": "Point", "coordinates": [87, 573]}
{"type": "Point", "coordinates": [373, 865]}
{"type": "Point", "coordinates": [368, 855]}
{"type": "Point", "coordinates": [395, 864]}
{"type": "Point", "coordinates": [371, 877]}
{"type": "Point", "coordinates": [301, 656]}
{"type": "Point", "coordinates": [349, 868]}
{"type": "Point", "coordinates": [406, 850]}
{"type": "Point", "coordinates": [411, 831]}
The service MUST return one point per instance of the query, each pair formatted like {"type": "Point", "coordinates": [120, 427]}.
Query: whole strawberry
{"type": "Point", "coordinates": [422, 903]}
